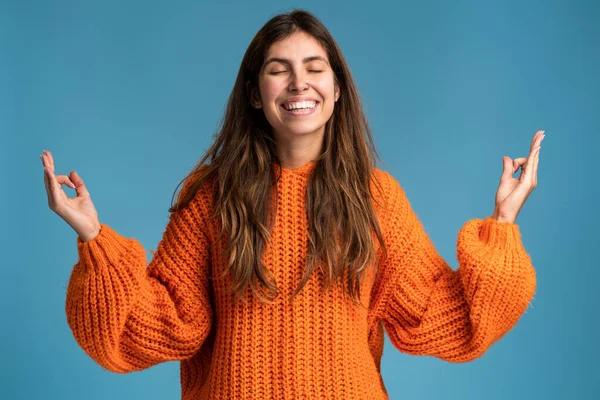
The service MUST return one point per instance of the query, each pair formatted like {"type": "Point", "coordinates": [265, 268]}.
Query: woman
{"type": "Point", "coordinates": [286, 255]}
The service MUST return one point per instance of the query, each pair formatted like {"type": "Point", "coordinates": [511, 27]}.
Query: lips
{"type": "Point", "coordinates": [305, 105]}
{"type": "Point", "coordinates": [300, 111]}
{"type": "Point", "coordinates": [297, 99]}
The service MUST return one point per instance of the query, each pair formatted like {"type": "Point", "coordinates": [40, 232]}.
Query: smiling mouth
{"type": "Point", "coordinates": [300, 110]}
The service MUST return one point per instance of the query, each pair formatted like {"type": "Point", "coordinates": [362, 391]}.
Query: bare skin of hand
{"type": "Point", "coordinates": [513, 192]}
{"type": "Point", "coordinates": [79, 212]}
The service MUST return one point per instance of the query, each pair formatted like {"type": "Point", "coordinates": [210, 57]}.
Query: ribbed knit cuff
{"type": "Point", "coordinates": [108, 247]}
{"type": "Point", "coordinates": [497, 234]}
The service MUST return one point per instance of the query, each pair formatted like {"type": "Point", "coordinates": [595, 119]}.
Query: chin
{"type": "Point", "coordinates": [302, 132]}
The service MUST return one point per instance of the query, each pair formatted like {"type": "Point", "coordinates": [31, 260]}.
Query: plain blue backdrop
{"type": "Point", "coordinates": [129, 94]}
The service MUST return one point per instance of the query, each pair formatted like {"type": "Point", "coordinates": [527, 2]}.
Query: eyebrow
{"type": "Point", "coordinates": [287, 62]}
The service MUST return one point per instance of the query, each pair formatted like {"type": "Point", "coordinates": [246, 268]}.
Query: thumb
{"type": "Point", "coordinates": [78, 182]}
{"type": "Point", "coordinates": [508, 168]}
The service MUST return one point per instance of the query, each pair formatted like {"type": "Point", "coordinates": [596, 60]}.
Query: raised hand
{"type": "Point", "coordinates": [513, 192]}
{"type": "Point", "coordinates": [79, 212]}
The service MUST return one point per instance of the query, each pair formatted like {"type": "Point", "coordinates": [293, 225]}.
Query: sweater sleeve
{"type": "Point", "coordinates": [128, 316]}
{"type": "Point", "coordinates": [430, 309]}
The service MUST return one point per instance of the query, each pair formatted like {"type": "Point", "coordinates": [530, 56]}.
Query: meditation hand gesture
{"type": "Point", "coordinates": [79, 212]}
{"type": "Point", "coordinates": [513, 192]}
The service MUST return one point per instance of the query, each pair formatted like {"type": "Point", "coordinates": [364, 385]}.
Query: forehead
{"type": "Point", "coordinates": [295, 47]}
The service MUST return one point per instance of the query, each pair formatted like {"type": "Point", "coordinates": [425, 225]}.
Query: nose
{"type": "Point", "coordinates": [299, 81]}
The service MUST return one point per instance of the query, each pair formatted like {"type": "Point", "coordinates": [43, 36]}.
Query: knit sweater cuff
{"type": "Point", "coordinates": [107, 248]}
{"type": "Point", "coordinates": [504, 235]}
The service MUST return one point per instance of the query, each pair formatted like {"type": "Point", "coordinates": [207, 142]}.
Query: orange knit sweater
{"type": "Point", "coordinates": [128, 315]}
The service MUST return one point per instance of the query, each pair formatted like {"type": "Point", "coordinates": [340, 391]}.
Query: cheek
{"type": "Point", "coordinates": [327, 88]}
{"type": "Point", "coordinates": [270, 91]}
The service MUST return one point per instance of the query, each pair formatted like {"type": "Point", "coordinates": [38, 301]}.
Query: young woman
{"type": "Point", "coordinates": [287, 254]}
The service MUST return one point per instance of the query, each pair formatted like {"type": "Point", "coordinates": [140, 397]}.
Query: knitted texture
{"type": "Point", "coordinates": [128, 315]}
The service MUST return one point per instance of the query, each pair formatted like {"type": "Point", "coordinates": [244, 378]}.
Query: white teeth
{"type": "Point", "coordinates": [301, 104]}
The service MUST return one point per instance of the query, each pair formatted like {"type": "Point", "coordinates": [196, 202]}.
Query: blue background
{"type": "Point", "coordinates": [129, 94]}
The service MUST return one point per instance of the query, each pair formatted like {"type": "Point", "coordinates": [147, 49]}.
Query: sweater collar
{"type": "Point", "coordinates": [303, 171]}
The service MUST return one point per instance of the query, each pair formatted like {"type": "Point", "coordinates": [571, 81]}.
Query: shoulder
{"type": "Point", "coordinates": [390, 186]}
{"type": "Point", "coordinates": [195, 202]}
{"type": "Point", "coordinates": [392, 205]}
{"type": "Point", "coordinates": [200, 186]}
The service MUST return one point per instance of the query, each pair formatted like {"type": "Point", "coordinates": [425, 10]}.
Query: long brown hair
{"type": "Point", "coordinates": [341, 217]}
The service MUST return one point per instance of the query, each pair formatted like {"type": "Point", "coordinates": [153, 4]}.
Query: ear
{"type": "Point", "coordinates": [254, 97]}
{"type": "Point", "coordinates": [337, 92]}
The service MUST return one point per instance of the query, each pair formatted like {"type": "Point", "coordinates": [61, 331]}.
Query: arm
{"type": "Point", "coordinates": [128, 316]}
{"type": "Point", "coordinates": [430, 309]}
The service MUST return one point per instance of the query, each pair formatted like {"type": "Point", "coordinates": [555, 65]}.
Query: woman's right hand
{"type": "Point", "coordinates": [79, 212]}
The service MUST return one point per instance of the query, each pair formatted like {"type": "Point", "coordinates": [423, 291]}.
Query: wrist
{"type": "Point", "coordinates": [496, 216]}
{"type": "Point", "coordinates": [90, 236]}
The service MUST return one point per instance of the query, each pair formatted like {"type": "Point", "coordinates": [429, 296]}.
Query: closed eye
{"type": "Point", "coordinates": [281, 72]}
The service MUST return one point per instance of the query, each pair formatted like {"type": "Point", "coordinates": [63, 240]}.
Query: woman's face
{"type": "Point", "coordinates": [297, 88]}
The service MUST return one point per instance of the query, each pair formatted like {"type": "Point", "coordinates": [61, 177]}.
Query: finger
{"type": "Point", "coordinates": [52, 183]}
{"type": "Point", "coordinates": [46, 161]}
{"type": "Point", "coordinates": [518, 162]}
{"type": "Point", "coordinates": [80, 187]}
{"type": "Point", "coordinates": [65, 180]}
{"type": "Point", "coordinates": [46, 182]}
{"type": "Point", "coordinates": [53, 188]}
{"type": "Point", "coordinates": [51, 159]}
{"type": "Point", "coordinates": [527, 175]}
{"type": "Point", "coordinates": [43, 165]}
{"type": "Point", "coordinates": [506, 168]}
{"type": "Point", "coordinates": [537, 139]}
{"type": "Point", "coordinates": [535, 166]}
{"type": "Point", "coordinates": [521, 162]}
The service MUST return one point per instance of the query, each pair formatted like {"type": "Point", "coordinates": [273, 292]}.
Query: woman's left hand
{"type": "Point", "coordinates": [513, 192]}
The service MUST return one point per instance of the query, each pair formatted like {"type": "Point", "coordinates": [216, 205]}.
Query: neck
{"type": "Point", "coordinates": [295, 151]}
